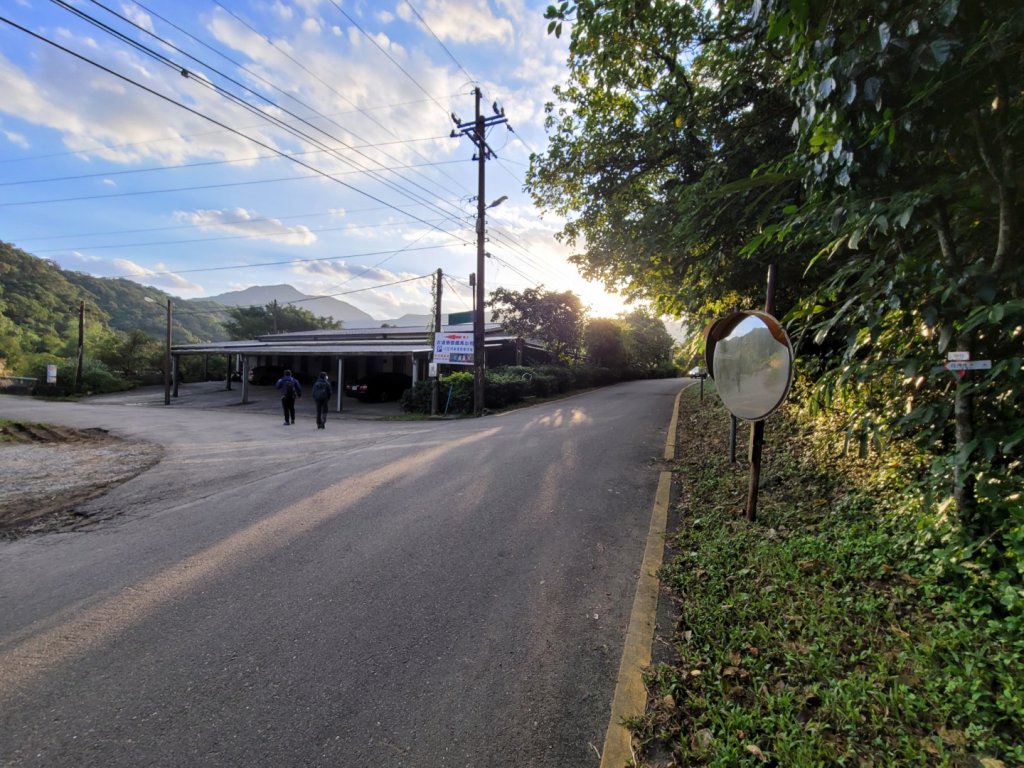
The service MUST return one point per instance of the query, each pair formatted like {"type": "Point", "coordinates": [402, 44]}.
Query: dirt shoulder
{"type": "Point", "coordinates": [47, 473]}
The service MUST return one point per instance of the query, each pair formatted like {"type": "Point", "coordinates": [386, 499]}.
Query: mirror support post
{"type": "Point", "coordinates": [757, 428]}
{"type": "Point", "coordinates": [732, 439]}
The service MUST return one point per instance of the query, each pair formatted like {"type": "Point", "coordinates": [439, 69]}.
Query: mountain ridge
{"type": "Point", "coordinates": [347, 314]}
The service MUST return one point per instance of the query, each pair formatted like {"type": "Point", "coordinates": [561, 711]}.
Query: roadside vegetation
{"type": "Point", "coordinates": [849, 625]}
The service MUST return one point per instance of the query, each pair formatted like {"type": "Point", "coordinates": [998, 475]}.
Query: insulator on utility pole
{"type": "Point", "coordinates": [477, 132]}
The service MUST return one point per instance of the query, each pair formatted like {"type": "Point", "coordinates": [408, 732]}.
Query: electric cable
{"type": "Point", "coordinates": [222, 91]}
{"type": "Point", "coordinates": [203, 116]}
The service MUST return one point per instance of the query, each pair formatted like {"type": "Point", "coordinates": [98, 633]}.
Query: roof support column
{"type": "Point", "coordinates": [245, 379]}
{"type": "Point", "coordinates": [341, 384]}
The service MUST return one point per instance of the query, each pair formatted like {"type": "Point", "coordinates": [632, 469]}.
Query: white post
{"type": "Point", "coordinates": [341, 383]}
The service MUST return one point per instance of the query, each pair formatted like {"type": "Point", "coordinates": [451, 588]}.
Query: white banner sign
{"type": "Point", "coordinates": [968, 365]}
{"type": "Point", "coordinates": [453, 348]}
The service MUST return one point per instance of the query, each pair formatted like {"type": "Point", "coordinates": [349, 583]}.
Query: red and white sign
{"type": "Point", "coordinates": [453, 348]}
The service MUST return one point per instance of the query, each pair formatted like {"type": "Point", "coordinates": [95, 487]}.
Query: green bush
{"type": "Point", "coordinates": [457, 392]}
{"type": "Point", "coordinates": [417, 399]}
{"type": "Point", "coordinates": [97, 378]}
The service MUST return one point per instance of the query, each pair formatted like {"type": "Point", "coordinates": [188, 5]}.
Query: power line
{"type": "Point", "coordinates": [256, 236]}
{"type": "Point", "coordinates": [129, 145]}
{"type": "Point", "coordinates": [171, 273]}
{"type": "Point", "coordinates": [253, 220]}
{"type": "Point", "coordinates": [204, 164]}
{"type": "Point", "coordinates": [194, 188]}
{"type": "Point", "coordinates": [387, 55]}
{"type": "Point", "coordinates": [222, 91]}
{"type": "Point", "coordinates": [196, 112]}
{"type": "Point", "coordinates": [438, 39]}
{"type": "Point", "coordinates": [312, 74]}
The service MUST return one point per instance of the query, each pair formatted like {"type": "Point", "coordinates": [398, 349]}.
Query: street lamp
{"type": "Point", "coordinates": [167, 352]}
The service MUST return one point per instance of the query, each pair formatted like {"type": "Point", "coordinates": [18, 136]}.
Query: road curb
{"type": "Point", "coordinates": [630, 699]}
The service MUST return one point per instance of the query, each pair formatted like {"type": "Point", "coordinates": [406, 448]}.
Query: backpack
{"type": "Point", "coordinates": [289, 389]}
{"type": "Point", "coordinates": [321, 389]}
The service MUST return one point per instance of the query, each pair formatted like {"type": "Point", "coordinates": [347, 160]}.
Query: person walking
{"type": "Point", "coordinates": [321, 396]}
{"type": "Point", "coordinates": [290, 390]}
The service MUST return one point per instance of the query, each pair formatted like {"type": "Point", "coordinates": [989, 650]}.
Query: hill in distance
{"type": "Point", "coordinates": [322, 306]}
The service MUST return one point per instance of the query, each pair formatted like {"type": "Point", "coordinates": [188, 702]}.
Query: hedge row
{"type": "Point", "coordinates": [508, 386]}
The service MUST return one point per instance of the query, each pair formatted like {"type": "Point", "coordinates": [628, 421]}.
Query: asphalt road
{"type": "Point", "coordinates": [378, 593]}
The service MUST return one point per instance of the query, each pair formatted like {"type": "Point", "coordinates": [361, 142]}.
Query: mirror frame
{"type": "Point", "coordinates": [719, 329]}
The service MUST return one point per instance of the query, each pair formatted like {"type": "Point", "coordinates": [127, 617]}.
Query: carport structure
{"type": "Point", "coordinates": [345, 354]}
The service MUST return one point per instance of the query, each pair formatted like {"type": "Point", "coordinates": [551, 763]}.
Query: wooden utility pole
{"type": "Point", "coordinates": [167, 357]}
{"type": "Point", "coordinates": [81, 344]}
{"type": "Point", "coordinates": [477, 132]}
{"type": "Point", "coordinates": [433, 338]}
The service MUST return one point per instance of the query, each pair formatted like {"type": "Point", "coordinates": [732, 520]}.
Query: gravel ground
{"type": "Point", "coordinates": [46, 472]}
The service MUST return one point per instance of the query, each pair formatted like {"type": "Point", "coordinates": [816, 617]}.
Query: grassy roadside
{"type": "Point", "coordinates": [818, 636]}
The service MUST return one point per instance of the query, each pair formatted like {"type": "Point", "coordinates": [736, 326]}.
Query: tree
{"type": "Point", "coordinates": [871, 150]}
{"type": "Point", "coordinates": [128, 351]}
{"type": "Point", "coordinates": [668, 111]}
{"type": "Point", "coordinates": [604, 341]}
{"type": "Point", "coordinates": [556, 319]}
{"type": "Point", "coordinates": [910, 139]}
{"type": "Point", "coordinates": [648, 344]}
{"type": "Point", "coordinates": [250, 322]}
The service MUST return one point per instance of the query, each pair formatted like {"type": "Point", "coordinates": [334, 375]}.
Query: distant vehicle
{"type": "Point", "coordinates": [264, 375]}
{"type": "Point", "coordinates": [379, 387]}
{"type": "Point", "coordinates": [267, 375]}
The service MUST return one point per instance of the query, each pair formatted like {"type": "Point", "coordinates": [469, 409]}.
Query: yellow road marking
{"type": "Point", "coordinates": [630, 699]}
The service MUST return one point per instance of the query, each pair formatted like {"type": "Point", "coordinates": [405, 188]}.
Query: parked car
{"type": "Point", "coordinates": [379, 387]}
{"type": "Point", "coordinates": [266, 374]}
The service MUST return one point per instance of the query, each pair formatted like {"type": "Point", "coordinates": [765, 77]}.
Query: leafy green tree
{"type": "Point", "coordinates": [668, 112]}
{"type": "Point", "coordinates": [870, 150]}
{"type": "Point", "coordinates": [129, 351]}
{"type": "Point", "coordinates": [604, 341]}
{"type": "Point", "coordinates": [648, 344]}
{"type": "Point", "coordinates": [251, 322]}
{"type": "Point", "coordinates": [910, 139]}
{"type": "Point", "coordinates": [554, 318]}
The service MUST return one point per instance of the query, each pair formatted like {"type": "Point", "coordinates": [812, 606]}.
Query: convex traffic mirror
{"type": "Point", "coordinates": [750, 358]}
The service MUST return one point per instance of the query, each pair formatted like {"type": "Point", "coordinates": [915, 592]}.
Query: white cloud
{"type": "Point", "coordinates": [138, 16]}
{"type": "Point", "coordinates": [79, 256]}
{"type": "Point", "coordinates": [283, 11]}
{"type": "Point", "coordinates": [463, 21]}
{"type": "Point", "coordinates": [373, 289]}
{"type": "Point", "coordinates": [17, 139]}
{"type": "Point", "coordinates": [99, 115]}
{"type": "Point", "coordinates": [159, 276]}
{"type": "Point", "coordinates": [311, 26]}
{"type": "Point", "coordinates": [239, 221]}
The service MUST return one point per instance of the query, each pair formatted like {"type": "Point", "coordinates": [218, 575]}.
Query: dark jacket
{"type": "Point", "coordinates": [295, 384]}
{"type": "Point", "coordinates": [324, 391]}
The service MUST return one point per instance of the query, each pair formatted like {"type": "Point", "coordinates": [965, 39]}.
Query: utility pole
{"type": "Point", "coordinates": [81, 344]}
{"type": "Point", "coordinates": [477, 133]}
{"type": "Point", "coordinates": [433, 340]}
{"type": "Point", "coordinates": [167, 357]}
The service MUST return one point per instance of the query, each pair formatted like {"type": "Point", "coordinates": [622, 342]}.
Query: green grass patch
{"type": "Point", "coordinates": [817, 635]}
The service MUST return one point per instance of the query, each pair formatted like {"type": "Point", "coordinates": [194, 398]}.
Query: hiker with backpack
{"type": "Point", "coordinates": [321, 396]}
{"type": "Point", "coordinates": [291, 390]}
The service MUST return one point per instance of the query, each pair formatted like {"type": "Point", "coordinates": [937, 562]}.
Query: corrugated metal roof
{"type": "Point", "coordinates": [341, 343]}
{"type": "Point", "coordinates": [318, 349]}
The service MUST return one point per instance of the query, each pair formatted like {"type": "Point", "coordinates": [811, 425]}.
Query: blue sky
{"type": "Point", "coordinates": [341, 177]}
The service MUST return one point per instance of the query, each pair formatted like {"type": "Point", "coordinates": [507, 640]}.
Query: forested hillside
{"type": "Point", "coordinates": [39, 314]}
